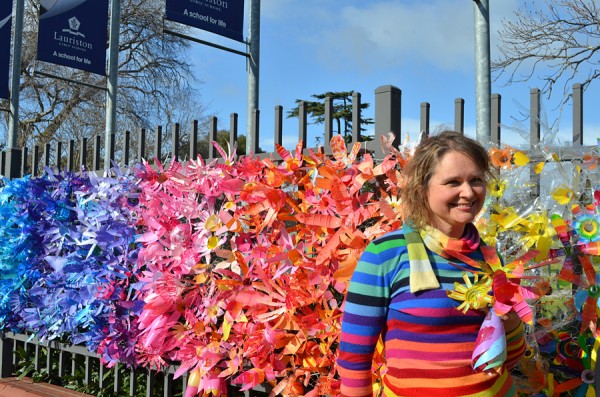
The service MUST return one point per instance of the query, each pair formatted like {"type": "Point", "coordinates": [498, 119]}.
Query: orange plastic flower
{"type": "Point", "coordinates": [501, 158]}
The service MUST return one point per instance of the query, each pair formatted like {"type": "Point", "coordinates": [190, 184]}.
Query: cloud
{"type": "Point", "coordinates": [435, 32]}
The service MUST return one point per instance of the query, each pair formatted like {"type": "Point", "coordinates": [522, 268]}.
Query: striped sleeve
{"type": "Point", "coordinates": [515, 346]}
{"type": "Point", "coordinates": [365, 313]}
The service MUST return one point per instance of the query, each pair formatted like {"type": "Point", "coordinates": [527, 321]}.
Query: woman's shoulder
{"type": "Point", "coordinates": [391, 239]}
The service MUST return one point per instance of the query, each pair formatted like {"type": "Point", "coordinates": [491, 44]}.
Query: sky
{"type": "Point", "coordinates": [423, 47]}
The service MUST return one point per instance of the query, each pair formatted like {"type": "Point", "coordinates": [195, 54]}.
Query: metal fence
{"type": "Point", "coordinates": [387, 119]}
{"type": "Point", "coordinates": [388, 112]}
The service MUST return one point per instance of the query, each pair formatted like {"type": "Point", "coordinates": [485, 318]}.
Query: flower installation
{"type": "Point", "coordinates": [561, 225]}
{"type": "Point", "coordinates": [235, 270]}
{"type": "Point", "coordinates": [68, 257]}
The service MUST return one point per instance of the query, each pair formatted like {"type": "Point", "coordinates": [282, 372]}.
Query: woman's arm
{"type": "Point", "coordinates": [515, 339]}
{"type": "Point", "coordinates": [365, 311]}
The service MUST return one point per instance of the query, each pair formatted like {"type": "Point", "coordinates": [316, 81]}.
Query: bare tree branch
{"type": "Point", "coordinates": [558, 42]}
{"type": "Point", "coordinates": [154, 79]}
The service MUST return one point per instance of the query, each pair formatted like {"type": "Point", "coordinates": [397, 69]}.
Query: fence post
{"type": "Point", "coordinates": [233, 128]}
{"type": "Point", "coordinates": [158, 142]}
{"type": "Point", "coordinates": [577, 114]}
{"type": "Point", "coordinates": [71, 155]}
{"type": "Point", "coordinates": [126, 141]}
{"type": "Point", "coordinates": [59, 149]}
{"type": "Point", "coordinates": [255, 131]}
{"type": "Point", "coordinates": [47, 153]}
{"type": "Point", "coordinates": [328, 108]}
{"type": "Point", "coordinates": [212, 136]}
{"type": "Point", "coordinates": [141, 154]}
{"type": "Point", "coordinates": [388, 115]}
{"type": "Point", "coordinates": [175, 130]}
{"type": "Point", "coordinates": [302, 135]}
{"type": "Point", "coordinates": [356, 126]}
{"type": "Point", "coordinates": [194, 141]}
{"type": "Point", "coordinates": [534, 134]}
{"type": "Point", "coordinates": [496, 114]}
{"type": "Point", "coordinates": [35, 160]}
{"type": "Point", "coordinates": [111, 154]}
{"type": "Point", "coordinates": [83, 155]}
{"type": "Point", "coordinates": [6, 357]}
{"type": "Point", "coordinates": [97, 144]}
{"type": "Point", "coordinates": [24, 161]}
{"type": "Point", "coordinates": [459, 115]}
{"type": "Point", "coordinates": [12, 162]}
{"type": "Point", "coordinates": [424, 118]}
{"type": "Point", "coordinates": [278, 133]}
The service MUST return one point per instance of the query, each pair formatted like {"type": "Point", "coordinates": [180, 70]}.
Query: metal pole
{"type": "Point", "coordinates": [483, 89]}
{"type": "Point", "coordinates": [253, 72]}
{"type": "Point", "coordinates": [13, 154]}
{"type": "Point", "coordinates": [113, 68]}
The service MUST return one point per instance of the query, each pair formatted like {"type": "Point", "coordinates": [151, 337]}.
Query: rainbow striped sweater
{"type": "Point", "coordinates": [428, 342]}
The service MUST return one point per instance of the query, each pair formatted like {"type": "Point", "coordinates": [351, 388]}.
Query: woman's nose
{"type": "Point", "coordinates": [467, 190]}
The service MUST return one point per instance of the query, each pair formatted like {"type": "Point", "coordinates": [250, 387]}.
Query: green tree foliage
{"type": "Point", "coordinates": [342, 112]}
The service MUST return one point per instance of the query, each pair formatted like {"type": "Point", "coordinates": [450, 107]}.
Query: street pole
{"type": "Point", "coordinates": [483, 91]}
{"type": "Point", "coordinates": [13, 154]}
{"type": "Point", "coordinates": [113, 69]}
{"type": "Point", "coordinates": [253, 75]}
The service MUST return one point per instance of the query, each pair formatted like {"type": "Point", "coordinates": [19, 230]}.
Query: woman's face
{"type": "Point", "coordinates": [455, 193]}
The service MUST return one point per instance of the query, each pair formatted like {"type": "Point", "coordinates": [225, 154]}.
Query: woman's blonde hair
{"type": "Point", "coordinates": [422, 165]}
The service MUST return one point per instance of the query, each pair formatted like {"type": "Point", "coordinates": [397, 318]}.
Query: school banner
{"type": "Point", "coordinates": [74, 33]}
{"type": "Point", "coordinates": [5, 25]}
{"type": "Point", "coordinates": [223, 17]}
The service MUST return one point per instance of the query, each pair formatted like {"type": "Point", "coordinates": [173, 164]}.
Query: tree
{"type": "Point", "coordinates": [342, 112]}
{"type": "Point", "coordinates": [559, 41]}
{"type": "Point", "coordinates": [155, 81]}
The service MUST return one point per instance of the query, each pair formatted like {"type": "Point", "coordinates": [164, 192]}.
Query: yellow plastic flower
{"type": "Point", "coordinates": [539, 167]}
{"type": "Point", "coordinates": [506, 217]}
{"type": "Point", "coordinates": [488, 231]}
{"type": "Point", "coordinates": [520, 159]}
{"type": "Point", "coordinates": [496, 187]}
{"type": "Point", "coordinates": [563, 195]}
{"type": "Point", "coordinates": [538, 233]}
{"type": "Point", "coordinates": [474, 295]}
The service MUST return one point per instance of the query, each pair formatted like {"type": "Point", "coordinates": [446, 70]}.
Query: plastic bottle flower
{"type": "Point", "coordinates": [501, 294]}
{"type": "Point", "coordinates": [563, 194]}
{"type": "Point", "coordinates": [586, 224]}
{"type": "Point", "coordinates": [537, 233]}
{"type": "Point", "coordinates": [501, 158]}
{"type": "Point", "coordinates": [508, 157]}
{"type": "Point", "coordinates": [474, 295]}
{"type": "Point", "coordinates": [496, 187]}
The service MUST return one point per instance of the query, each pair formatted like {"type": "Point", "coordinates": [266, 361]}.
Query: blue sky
{"type": "Point", "coordinates": [423, 47]}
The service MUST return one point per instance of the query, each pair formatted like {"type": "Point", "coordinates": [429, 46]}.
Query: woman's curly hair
{"type": "Point", "coordinates": [422, 165]}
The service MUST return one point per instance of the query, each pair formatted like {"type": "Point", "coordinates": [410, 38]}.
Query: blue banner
{"type": "Point", "coordinates": [6, 7]}
{"type": "Point", "coordinates": [74, 33]}
{"type": "Point", "coordinates": [223, 17]}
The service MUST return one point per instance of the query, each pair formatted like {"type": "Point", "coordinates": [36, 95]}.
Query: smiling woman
{"type": "Point", "coordinates": [455, 193]}
{"type": "Point", "coordinates": [401, 291]}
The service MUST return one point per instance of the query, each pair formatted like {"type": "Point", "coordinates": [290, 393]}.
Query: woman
{"type": "Point", "coordinates": [398, 289]}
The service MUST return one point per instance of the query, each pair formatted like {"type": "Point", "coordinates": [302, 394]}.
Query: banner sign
{"type": "Point", "coordinates": [74, 33]}
{"type": "Point", "coordinates": [223, 17]}
{"type": "Point", "coordinates": [6, 7]}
